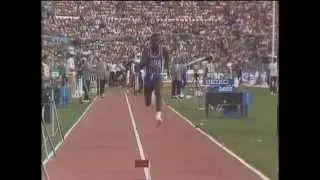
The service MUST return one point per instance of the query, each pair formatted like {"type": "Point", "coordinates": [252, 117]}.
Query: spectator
{"type": "Point", "coordinates": [87, 70]}
{"type": "Point", "coordinates": [231, 30]}
{"type": "Point", "coordinates": [45, 70]}
{"type": "Point", "coordinates": [102, 75]}
{"type": "Point", "coordinates": [71, 71]}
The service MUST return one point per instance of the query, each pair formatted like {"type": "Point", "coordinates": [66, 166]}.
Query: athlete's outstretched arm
{"type": "Point", "coordinates": [166, 61]}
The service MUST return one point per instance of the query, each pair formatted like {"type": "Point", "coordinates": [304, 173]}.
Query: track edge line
{"type": "Point", "coordinates": [46, 160]}
{"type": "Point", "coordinates": [216, 142]}
{"type": "Point", "coordinates": [136, 134]}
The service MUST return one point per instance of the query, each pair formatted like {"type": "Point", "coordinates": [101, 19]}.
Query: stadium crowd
{"type": "Point", "coordinates": [117, 30]}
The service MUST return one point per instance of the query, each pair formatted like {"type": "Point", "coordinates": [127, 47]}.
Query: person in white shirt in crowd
{"type": "Point", "coordinates": [135, 82]}
{"type": "Point", "coordinates": [45, 71]}
{"type": "Point", "coordinates": [130, 68]}
{"type": "Point", "coordinates": [109, 67]}
{"type": "Point", "coordinates": [139, 73]}
{"type": "Point", "coordinates": [228, 70]}
{"type": "Point", "coordinates": [177, 77]}
{"type": "Point", "coordinates": [238, 71]}
{"type": "Point", "coordinates": [87, 70]}
{"type": "Point", "coordinates": [120, 74]}
{"type": "Point", "coordinates": [196, 79]}
{"type": "Point", "coordinates": [45, 95]}
{"type": "Point", "coordinates": [113, 71]}
{"type": "Point", "coordinates": [102, 76]}
{"type": "Point", "coordinates": [71, 70]}
{"type": "Point", "coordinates": [221, 74]}
{"type": "Point", "coordinates": [210, 70]}
{"type": "Point", "coordinates": [273, 70]}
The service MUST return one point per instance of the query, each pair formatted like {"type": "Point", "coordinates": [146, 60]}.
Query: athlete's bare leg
{"type": "Point", "coordinates": [147, 90]}
{"type": "Point", "coordinates": [157, 92]}
{"type": "Point", "coordinates": [148, 96]}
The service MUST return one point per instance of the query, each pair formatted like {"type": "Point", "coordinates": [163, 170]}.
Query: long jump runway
{"type": "Point", "coordinates": [105, 144]}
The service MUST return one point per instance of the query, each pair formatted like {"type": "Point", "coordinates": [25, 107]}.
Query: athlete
{"type": "Point", "coordinates": [154, 60]}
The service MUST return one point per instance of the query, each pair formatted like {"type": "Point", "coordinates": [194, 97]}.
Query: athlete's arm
{"type": "Point", "coordinates": [166, 61]}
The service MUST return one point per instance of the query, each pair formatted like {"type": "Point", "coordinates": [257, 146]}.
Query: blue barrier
{"type": "Point", "coordinates": [233, 110]}
{"type": "Point", "coordinates": [64, 97]}
{"type": "Point", "coordinates": [230, 110]}
{"type": "Point", "coordinates": [246, 103]}
{"type": "Point", "coordinates": [226, 87]}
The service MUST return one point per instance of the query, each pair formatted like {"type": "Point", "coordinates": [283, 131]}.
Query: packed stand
{"type": "Point", "coordinates": [231, 30]}
{"type": "Point", "coordinates": [116, 31]}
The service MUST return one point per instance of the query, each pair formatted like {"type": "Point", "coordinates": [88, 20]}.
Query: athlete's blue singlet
{"type": "Point", "coordinates": [154, 67]}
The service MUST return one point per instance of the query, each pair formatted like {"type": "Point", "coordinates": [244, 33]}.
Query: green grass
{"type": "Point", "coordinates": [255, 139]}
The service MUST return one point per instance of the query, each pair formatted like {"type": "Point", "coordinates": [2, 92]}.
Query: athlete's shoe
{"type": "Point", "coordinates": [159, 119]}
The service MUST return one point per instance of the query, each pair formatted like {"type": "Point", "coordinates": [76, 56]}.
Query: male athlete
{"type": "Point", "coordinates": [154, 59]}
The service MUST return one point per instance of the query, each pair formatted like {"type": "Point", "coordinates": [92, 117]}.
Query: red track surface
{"type": "Point", "coordinates": [103, 147]}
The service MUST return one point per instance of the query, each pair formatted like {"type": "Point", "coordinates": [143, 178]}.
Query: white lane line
{"type": "Point", "coordinates": [228, 151]}
{"type": "Point", "coordinates": [45, 161]}
{"type": "Point", "coordinates": [136, 134]}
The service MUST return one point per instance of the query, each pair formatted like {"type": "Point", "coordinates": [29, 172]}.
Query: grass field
{"type": "Point", "coordinates": [255, 139]}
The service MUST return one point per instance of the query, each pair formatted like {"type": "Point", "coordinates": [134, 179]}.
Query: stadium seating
{"type": "Point", "coordinates": [228, 29]}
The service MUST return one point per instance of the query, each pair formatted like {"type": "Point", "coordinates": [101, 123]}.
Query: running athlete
{"type": "Point", "coordinates": [154, 60]}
